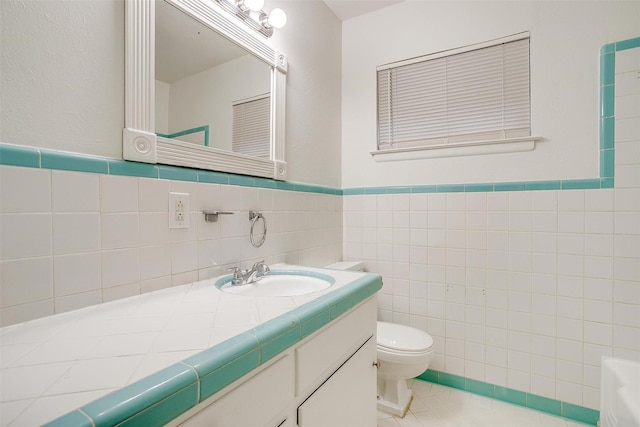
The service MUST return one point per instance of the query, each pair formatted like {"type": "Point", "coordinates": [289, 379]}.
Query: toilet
{"type": "Point", "coordinates": [403, 352]}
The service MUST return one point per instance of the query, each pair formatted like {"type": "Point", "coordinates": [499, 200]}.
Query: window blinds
{"type": "Point", "coordinates": [251, 127]}
{"type": "Point", "coordinates": [477, 95]}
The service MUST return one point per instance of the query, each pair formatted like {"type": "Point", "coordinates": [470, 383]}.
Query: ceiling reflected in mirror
{"type": "Point", "coordinates": [202, 80]}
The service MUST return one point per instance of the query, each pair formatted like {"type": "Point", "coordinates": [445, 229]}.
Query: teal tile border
{"type": "Point", "coordinates": [36, 158]}
{"type": "Point", "coordinates": [198, 129]}
{"type": "Point", "coordinates": [73, 162]}
{"type": "Point", "coordinates": [165, 395]}
{"type": "Point", "coordinates": [606, 147]}
{"type": "Point", "coordinates": [550, 406]}
{"type": "Point", "coordinates": [16, 155]}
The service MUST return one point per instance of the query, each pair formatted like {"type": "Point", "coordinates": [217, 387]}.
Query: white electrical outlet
{"type": "Point", "coordinates": [178, 210]}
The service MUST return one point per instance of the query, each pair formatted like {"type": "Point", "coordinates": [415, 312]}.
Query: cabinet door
{"type": "Point", "coordinates": [348, 397]}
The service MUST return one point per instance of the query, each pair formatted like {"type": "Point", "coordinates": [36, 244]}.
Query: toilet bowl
{"type": "Point", "coordinates": [403, 352]}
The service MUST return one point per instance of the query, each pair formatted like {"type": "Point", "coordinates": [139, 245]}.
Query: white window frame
{"type": "Point", "coordinates": [449, 147]}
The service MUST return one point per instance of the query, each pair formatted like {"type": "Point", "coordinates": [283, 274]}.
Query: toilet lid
{"type": "Point", "coordinates": [403, 338]}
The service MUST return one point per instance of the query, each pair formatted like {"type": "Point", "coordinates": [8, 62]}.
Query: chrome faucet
{"type": "Point", "coordinates": [244, 277]}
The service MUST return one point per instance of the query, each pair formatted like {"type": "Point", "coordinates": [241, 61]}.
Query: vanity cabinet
{"type": "Point", "coordinates": [327, 379]}
{"type": "Point", "coordinates": [344, 400]}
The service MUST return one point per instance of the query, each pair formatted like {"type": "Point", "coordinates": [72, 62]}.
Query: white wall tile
{"type": "Point", "coordinates": [25, 235]}
{"type": "Point", "coordinates": [154, 228]}
{"type": "Point", "coordinates": [627, 153]}
{"type": "Point", "coordinates": [627, 223]}
{"type": "Point", "coordinates": [120, 291]}
{"type": "Point", "coordinates": [75, 191]}
{"type": "Point", "coordinates": [155, 261]}
{"type": "Point", "coordinates": [626, 269]}
{"type": "Point", "coordinates": [545, 201]}
{"type": "Point", "coordinates": [25, 312]}
{"type": "Point", "coordinates": [120, 267]}
{"type": "Point", "coordinates": [627, 176]}
{"type": "Point", "coordinates": [628, 200]}
{"type": "Point", "coordinates": [598, 333]}
{"type": "Point", "coordinates": [571, 222]}
{"type": "Point", "coordinates": [77, 273]}
{"type": "Point", "coordinates": [25, 190]}
{"type": "Point", "coordinates": [626, 314]}
{"type": "Point", "coordinates": [26, 281]}
{"type": "Point", "coordinates": [76, 233]}
{"type": "Point", "coordinates": [118, 193]}
{"type": "Point", "coordinates": [119, 230]}
{"type": "Point", "coordinates": [571, 200]}
{"type": "Point", "coordinates": [627, 129]}
{"type": "Point", "coordinates": [77, 301]}
{"type": "Point", "coordinates": [153, 195]}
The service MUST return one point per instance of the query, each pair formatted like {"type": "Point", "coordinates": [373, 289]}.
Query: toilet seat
{"type": "Point", "coordinates": [400, 339]}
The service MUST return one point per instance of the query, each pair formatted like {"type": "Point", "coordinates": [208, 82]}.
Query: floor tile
{"type": "Point", "coordinates": [439, 406]}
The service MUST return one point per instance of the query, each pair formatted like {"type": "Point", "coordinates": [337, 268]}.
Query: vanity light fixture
{"type": "Point", "coordinates": [250, 12]}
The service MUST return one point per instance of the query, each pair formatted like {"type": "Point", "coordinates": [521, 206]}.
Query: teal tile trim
{"type": "Point", "coordinates": [242, 180]}
{"type": "Point", "coordinates": [161, 397]}
{"type": "Point", "coordinates": [123, 167]}
{"type": "Point", "coordinates": [166, 410]}
{"type": "Point", "coordinates": [177, 174]}
{"type": "Point", "coordinates": [579, 413]}
{"type": "Point", "coordinates": [35, 158]}
{"type": "Point", "coordinates": [198, 129]}
{"type": "Point", "coordinates": [628, 44]}
{"type": "Point", "coordinates": [125, 403]}
{"type": "Point", "coordinates": [75, 418]}
{"type": "Point", "coordinates": [73, 162]}
{"type": "Point", "coordinates": [15, 155]}
{"type": "Point", "coordinates": [580, 184]}
{"type": "Point", "coordinates": [551, 406]}
{"type": "Point", "coordinates": [607, 150]}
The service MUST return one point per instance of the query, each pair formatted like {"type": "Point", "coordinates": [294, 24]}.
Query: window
{"type": "Point", "coordinates": [467, 97]}
{"type": "Point", "coordinates": [251, 126]}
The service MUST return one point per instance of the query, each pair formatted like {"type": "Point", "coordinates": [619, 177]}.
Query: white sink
{"type": "Point", "coordinates": [279, 283]}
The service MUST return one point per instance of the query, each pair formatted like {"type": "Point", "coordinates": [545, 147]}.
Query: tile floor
{"type": "Point", "coordinates": [438, 406]}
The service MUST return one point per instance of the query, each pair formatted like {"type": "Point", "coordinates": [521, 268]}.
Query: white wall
{"type": "Point", "coordinates": [206, 98]}
{"type": "Point", "coordinates": [565, 41]}
{"type": "Point", "coordinates": [162, 107]}
{"type": "Point", "coordinates": [63, 80]}
{"type": "Point", "coordinates": [62, 83]}
{"type": "Point", "coordinates": [311, 39]}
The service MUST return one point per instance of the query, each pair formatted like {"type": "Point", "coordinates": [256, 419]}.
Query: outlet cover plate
{"type": "Point", "coordinates": [178, 210]}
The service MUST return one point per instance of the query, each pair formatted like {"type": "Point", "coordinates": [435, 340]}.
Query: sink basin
{"type": "Point", "coordinates": [279, 283]}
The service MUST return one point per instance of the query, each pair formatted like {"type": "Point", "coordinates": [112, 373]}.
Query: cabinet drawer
{"type": "Point", "coordinates": [320, 357]}
{"type": "Point", "coordinates": [260, 401]}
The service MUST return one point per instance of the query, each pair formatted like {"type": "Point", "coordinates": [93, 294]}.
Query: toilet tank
{"type": "Point", "coordinates": [347, 265]}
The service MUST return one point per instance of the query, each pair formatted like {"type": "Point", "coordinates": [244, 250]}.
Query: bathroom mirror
{"type": "Point", "coordinates": [196, 131]}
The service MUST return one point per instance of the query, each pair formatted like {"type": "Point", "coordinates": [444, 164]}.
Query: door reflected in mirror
{"type": "Point", "coordinates": [208, 90]}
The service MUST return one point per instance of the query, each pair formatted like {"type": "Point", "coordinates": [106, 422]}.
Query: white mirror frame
{"type": "Point", "coordinates": [140, 143]}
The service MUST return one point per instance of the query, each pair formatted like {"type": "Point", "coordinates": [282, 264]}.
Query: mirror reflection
{"type": "Point", "coordinates": [208, 90]}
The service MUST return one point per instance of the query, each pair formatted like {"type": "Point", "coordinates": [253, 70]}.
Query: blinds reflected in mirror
{"type": "Point", "coordinates": [251, 126]}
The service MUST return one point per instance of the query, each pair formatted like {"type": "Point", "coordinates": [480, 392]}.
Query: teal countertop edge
{"type": "Point", "coordinates": [165, 395]}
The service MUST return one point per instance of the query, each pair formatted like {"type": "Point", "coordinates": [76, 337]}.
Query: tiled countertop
{"type": "Point", "coordinates": [148, 358]}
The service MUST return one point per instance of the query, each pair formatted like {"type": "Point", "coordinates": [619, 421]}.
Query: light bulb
{"type": "Point", "coordinates": [277, 18]}
{"type": "Point", "coordinates": [254, 5]}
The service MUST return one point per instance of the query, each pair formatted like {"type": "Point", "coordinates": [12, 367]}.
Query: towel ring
{"type": "Point", "coordinates": [254, 216]}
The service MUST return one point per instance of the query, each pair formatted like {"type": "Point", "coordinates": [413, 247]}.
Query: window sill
{"type": "Point", "coordinates": [476, 148]}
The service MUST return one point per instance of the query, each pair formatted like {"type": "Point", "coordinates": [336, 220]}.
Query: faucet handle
{"type": "Point", "coordinates": [261, 267]}
{"type": "Point", "coordinates": [237, 274]}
